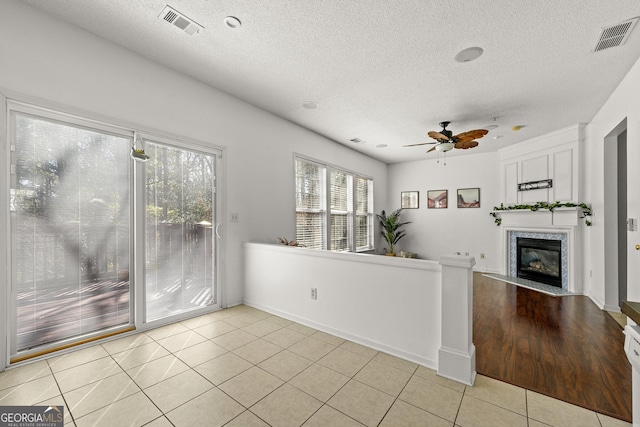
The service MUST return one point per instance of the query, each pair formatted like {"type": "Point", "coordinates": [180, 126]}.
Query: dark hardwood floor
{"type": "Point", "coordinates": [563, 347]}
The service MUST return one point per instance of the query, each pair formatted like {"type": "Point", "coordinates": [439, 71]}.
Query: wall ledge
{"type": "Point", "coordinates": [420, 264]}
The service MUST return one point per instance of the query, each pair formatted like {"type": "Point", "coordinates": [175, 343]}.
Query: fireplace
{"type": "Point", "coordinates": [539, 260]}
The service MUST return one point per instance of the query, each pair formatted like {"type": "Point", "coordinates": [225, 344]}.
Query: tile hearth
{"type": "Point", "coordinates": [530, 284]}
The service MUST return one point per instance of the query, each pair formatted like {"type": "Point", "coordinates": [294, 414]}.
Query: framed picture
{"type": "Point", "coordinates": [409, 199]}
{"type": "Point", "coordinates": [468, 197]}
{"type": "Point", "coordinates": [437, 199]}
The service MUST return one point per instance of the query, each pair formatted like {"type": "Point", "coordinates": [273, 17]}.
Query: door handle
{"type": "Point", "coordinates": [218, 231]}
{"type": "Point", "coordinates": [637, 247]}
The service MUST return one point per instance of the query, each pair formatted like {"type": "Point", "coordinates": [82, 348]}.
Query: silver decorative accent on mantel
{"type": "Point", "coordinates": [535, 185]}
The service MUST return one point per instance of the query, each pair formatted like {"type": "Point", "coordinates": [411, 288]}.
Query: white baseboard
{"type": "Point", "coordinates": [432, 364]}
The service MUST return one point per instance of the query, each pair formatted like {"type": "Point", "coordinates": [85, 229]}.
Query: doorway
{"type": "Point", "coordinates": [615, 198]}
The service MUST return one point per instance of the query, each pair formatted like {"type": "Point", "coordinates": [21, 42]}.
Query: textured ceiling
{"type": "Point", "coordinates": [384, 71]}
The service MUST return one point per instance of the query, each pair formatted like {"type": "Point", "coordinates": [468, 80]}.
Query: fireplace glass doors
{"type": "Point", "coordinates": [540, 260]}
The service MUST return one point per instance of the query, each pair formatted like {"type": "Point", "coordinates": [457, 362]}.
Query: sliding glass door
{"type": "Point", "coordinates": [74, 210]}
{"type": "Point", "coordinates": [70, 224]}
{"type": "Point", "coordinates": [180, 243]}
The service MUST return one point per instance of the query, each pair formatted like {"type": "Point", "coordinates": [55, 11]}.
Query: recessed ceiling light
{"type": "Point", "coordinates": [310, 105]}
{"type": "Point", "coordinates": [232, 22]}
{"type": "Point", "coordinates": [381, 146]}
{"type": "Point", "coordinates": [469, 54]}
{"type": "Point", "coordinates": [497, 137]}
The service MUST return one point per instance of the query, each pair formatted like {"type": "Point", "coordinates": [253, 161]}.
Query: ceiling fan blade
{"type": "Point", "coordinates": [432, 149]}
{"type": "Point", "coordinates": [438, 135]}
{"type": "Point", "coordinates": [475, 134]}
{"type": "Point", "coordinates": [422, 143]}
{"type": "Point", "coordinates": [463, 138]}
{"type": "Point", "coordinates": [466, 145]}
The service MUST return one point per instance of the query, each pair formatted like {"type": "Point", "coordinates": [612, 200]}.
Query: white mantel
{"type": "Point", "coordinates": [559, 217]}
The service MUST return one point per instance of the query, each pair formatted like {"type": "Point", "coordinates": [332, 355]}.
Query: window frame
{"type": "Point", "coordinates": [351, 214]}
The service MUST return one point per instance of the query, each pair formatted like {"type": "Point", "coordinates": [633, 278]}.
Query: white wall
{"type": "Point", "coordinates": [61, 65]}
{"type": "Point", "coordinates": [623, 103]}
{"type": "Point", "coordinates": [390, 304]}
{"type": "Point", "coordinates": [435, 232]}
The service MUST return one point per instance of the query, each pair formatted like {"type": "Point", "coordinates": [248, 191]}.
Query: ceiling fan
{"type": "Point", "coordinates": [445, 140]}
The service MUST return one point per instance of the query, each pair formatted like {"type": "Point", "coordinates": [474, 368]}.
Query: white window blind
{"type": "Point", "coordinates": [348, 199]}
{"type": "Point", "coordinates": [341, 210]}
{"type": "Point", "coordinates": [364, 214]}
{"type": "Point", "coordinates": [310, 183]}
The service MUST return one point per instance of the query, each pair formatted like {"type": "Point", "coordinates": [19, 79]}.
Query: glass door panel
{"type": "Point", "coordinates": [180, 241]}
{"type": "Point", "coordinates": [69, 231]}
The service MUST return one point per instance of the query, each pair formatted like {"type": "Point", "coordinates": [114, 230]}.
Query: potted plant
{"type": "Point", "coordinates": [139, 155]}
{"type": "Point", "coordinates": [391, 228]}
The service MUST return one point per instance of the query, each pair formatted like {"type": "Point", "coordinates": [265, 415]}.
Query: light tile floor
{"type": "Point", "coordinates": [243, 367]}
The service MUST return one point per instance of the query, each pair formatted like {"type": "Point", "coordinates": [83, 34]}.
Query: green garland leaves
{"type": "Point", "coordinates": [586, 210]}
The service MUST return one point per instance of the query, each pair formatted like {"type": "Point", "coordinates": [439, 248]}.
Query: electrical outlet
{"type": "Point", "coordinates": [235, 217]}
{"type": "Point", "coordinates": [482, 255]}
{"type": "Point", "coordinates": [314, 293]}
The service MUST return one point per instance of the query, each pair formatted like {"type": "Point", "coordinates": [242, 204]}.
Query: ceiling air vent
{"type": "Point", "coordinates": [615, 35]}
{"type": "Point", "coordinates": [176, 18]}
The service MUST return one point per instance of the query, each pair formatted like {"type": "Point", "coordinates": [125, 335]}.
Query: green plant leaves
{"type": "Point", "coordinates": [586, 209]}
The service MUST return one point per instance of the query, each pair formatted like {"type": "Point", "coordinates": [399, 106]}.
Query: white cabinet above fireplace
{"type": "Point", "coordinates": [554, 156]}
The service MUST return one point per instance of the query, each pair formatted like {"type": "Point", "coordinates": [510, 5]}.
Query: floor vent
{"type": "Point", "coordinates": [176, 18]}
{"type": "Point", "coordinates": [615, 35]}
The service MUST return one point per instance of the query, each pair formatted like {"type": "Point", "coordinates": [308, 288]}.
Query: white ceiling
{"type": "Point", "coordinates": [384, 70]}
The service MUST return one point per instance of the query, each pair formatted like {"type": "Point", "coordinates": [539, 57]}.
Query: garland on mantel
{"type": "Point", "coordinates": [586, 210]}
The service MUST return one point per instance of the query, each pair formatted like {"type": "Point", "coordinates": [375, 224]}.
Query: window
{"type": "Point", "coordinates": [341, 209]}
{"type": "Point", "coordinates": [348, 199]}
{"type": "Point", "coordinates": [364, 214]}
{"type": "Point", "coordinates": [310, 204]}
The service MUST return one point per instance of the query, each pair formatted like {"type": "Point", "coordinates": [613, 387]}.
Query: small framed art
{"type": "Point", "coordinates": [409, 199]}
{"type": "Point", "coordinates": [468, 197]}
{"type": "Point", "coordinates": [437, 199]}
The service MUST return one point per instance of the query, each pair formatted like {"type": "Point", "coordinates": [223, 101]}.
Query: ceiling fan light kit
{"type": "Point", "coordinates": [445, 146]}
